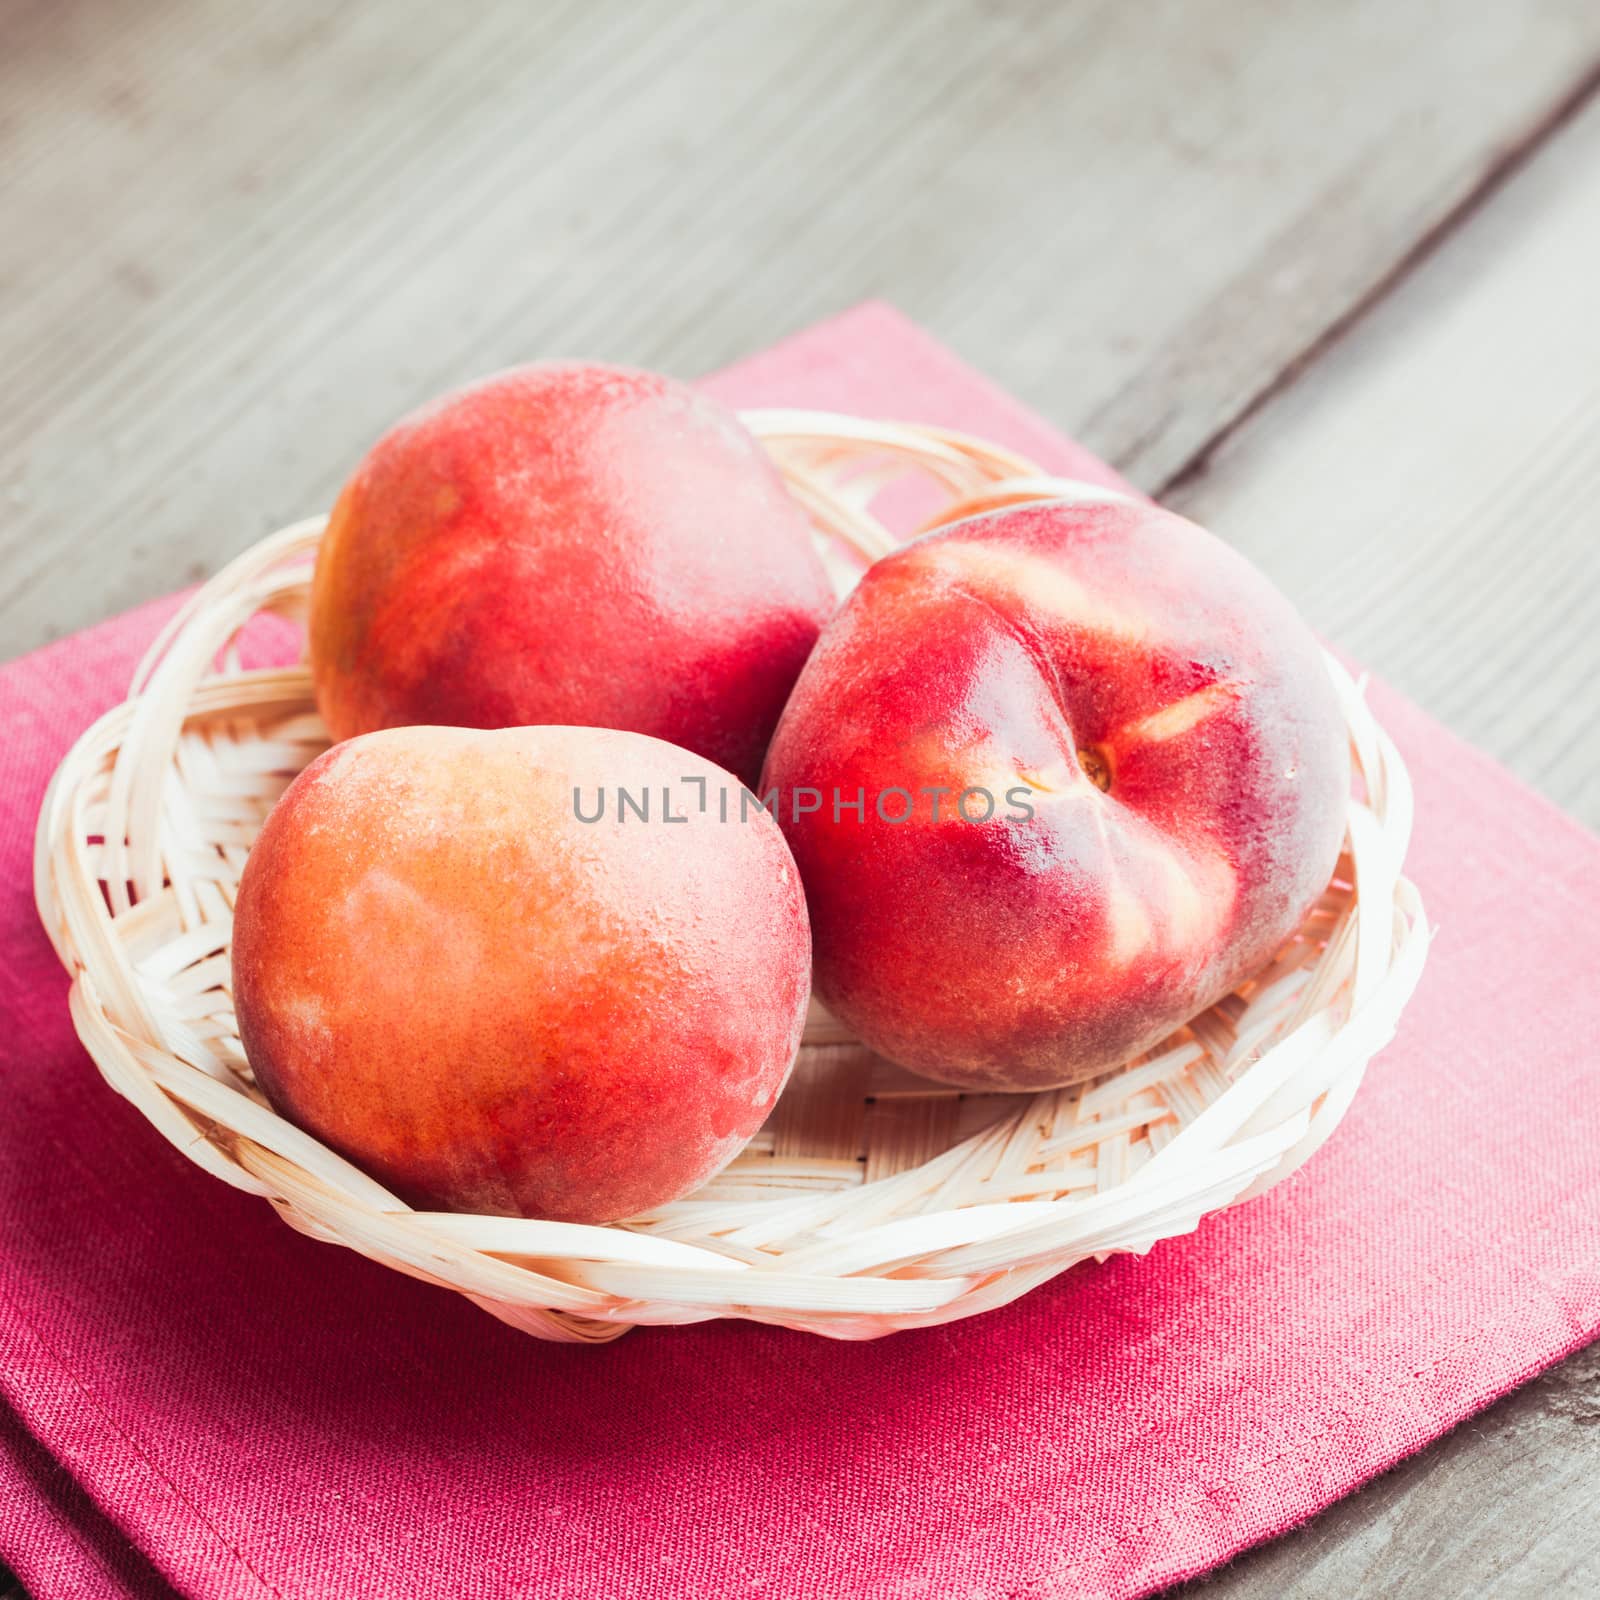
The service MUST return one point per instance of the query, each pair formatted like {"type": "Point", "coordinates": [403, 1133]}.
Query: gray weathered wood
{"type": "Point", "coordinates": [1504, 1507]}
{"type": "Point", "coordinates": [1430, 492]}
{"type": "Point", "coordinates": [240, 239]}
{"type": "Point", "coordinates": [235, 241]}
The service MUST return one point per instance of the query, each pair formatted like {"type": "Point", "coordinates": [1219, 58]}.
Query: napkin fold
{"type": "Point", "coordinates": [196, 1400]}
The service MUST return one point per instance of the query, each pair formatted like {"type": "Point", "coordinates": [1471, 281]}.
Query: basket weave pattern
{"type": "Point", "coordinates": [871, 1200]}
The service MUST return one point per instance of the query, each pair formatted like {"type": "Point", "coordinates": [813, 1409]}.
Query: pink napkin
{"type": "Point", "coordinates": [198, 1399]}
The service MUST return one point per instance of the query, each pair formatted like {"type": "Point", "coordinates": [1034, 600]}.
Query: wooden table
{"type": "Point", "coordinates": [1322, 274]}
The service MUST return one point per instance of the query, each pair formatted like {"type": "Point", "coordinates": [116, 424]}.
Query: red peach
{"type": "Point", "coordinates": [1166, 764]}
{"type": "Point", "coordinates": [568, 543]}
{"type": "Point", "coordinates": [491, 1005]}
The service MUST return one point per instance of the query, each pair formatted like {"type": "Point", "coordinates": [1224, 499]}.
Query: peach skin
{"type": "Point", "coordinates": [454, 967]}
{"type": "Point", "coordinates": [1166, 775]}
{"type": "Point", "coordinates": [568, 543]}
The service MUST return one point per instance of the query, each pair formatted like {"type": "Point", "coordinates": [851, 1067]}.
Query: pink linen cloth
{"type": "Point", "coordinates": [197, 1399]}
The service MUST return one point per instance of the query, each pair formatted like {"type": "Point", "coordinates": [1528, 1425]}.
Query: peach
{"type": "Point", "coordinates": [568, 543]}
{"type": "Point", "coordinates": [492, 1005]}
{"type": "Point", "coordinates": [1102, 775]}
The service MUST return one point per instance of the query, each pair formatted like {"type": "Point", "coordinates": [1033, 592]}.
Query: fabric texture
{"type": "Point", "coordinates": [194, 1398]}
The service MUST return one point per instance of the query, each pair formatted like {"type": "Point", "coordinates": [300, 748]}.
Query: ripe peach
{"type": "Point", "coordinates": [1167, 776]}
{"type": "Point", "coordinates": [492, 1005]}
{"type": "Point", "coordinates": [568, 543]}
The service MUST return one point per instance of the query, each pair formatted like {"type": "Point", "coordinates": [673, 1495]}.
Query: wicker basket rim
{"type": "Point", "coordinates": [147, 820]}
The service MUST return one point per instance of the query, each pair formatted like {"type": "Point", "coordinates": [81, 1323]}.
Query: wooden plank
{"type": "Point", "coordinates": [238, 240]}
{"type": "Point", "coordinates": [242, 239]}
{"type": "Point", "coordinates": [1502, 1507]}
{"type": "Point", "coordinates": [1430, 492]}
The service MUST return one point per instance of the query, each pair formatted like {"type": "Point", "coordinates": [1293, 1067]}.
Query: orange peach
{"type": "Point", "coordinates": [446, 973]}
{"type": "Point", "coordinates": [1056, 779]}
{"type": "Point", "coordinates": [568, 543]}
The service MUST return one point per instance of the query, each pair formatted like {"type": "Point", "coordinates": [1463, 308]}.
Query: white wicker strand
{"type": "Point", "coordinates": [147, 823]}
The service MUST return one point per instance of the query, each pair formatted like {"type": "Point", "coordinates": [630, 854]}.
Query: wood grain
{"type": "Point", "coordinates": [1504, 1506]}
{"type": "Point", "coordinates": [241, 240]}
{"type": "Point", "coordinates": [1430, 492]}
{"type": "Point", "coordinates": [237, 241]}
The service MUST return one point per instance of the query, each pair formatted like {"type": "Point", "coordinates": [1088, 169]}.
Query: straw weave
{"type": "Point", "coordinates": [871, 1200]}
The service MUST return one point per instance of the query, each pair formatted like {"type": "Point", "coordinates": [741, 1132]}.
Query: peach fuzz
{"type": "Point", "coordinates": [568, 543]}
{"type": "Point", "coordinates": [1161, 714]}
{"type": "Point", "coordinates": [492, 1006]}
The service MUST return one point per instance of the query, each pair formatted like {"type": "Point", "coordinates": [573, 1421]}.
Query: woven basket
{"type": "Point", "coordinates": [871, 1200]}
